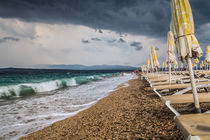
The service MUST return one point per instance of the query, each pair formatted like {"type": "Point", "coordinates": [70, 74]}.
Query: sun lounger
{"type": "Point", "coordinates": [176, 86]}
{"type": "Point", "coordinates": [166, 78]}
{"type": "Point", "coordinates": [181, 81]}
{"type": "Point", "coordinates": [194, 126]}
{"type": "Point", "coordinates": [186, 98]}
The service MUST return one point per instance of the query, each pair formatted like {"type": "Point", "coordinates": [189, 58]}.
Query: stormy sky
{"type": "Point", "coordinates": [89, 32]}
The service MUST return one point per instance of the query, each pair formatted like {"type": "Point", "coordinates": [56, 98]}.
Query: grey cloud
{"type": "Point", "coordinates": [121, 40]}
{"type": "Point", "coordinates": [138, 48]}
{"type": "Point", "coordinates": [85, 41]}
{"type": "Point", "coordinates": [111, 41]}
{"type": "Point", "coordinates": [100, 31]}
{"type": "Point", "coordinates": [137, 45]}
{"type": "Point", "coordinates": [9, 38]}
{"type": "Point", "coordinates": [96, 39]}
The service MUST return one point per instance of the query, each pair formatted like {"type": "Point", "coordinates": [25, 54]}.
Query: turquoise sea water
{"type": "Point", "coordinates": [33, 99]}
{"type": "Point", "coordinates": [25, 84]}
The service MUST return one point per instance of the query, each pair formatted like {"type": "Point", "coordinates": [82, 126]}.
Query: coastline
{"type": "Point", "coordinates": [129, 112]}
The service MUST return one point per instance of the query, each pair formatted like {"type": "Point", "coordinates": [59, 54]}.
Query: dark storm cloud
{"type": "Point", "coordinates": [146, 17]}
{"type": "Point", "coordinates": [133, 16]}
{"type": "Point", "coordinates": [137, 45]}
{"type": "Point", "coordinates": [85, 41]}
{"type": "Point", "coordinates": [8, 38]}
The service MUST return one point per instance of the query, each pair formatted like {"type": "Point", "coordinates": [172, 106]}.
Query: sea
{"type": "Point", "coordinates": [31, 99]}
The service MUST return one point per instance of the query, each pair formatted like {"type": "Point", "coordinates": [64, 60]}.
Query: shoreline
{"type": "Point", "coordinates": [128, 112]}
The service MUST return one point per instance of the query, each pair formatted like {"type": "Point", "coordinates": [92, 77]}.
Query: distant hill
{"type": "Point", "coordinates": [95, 67]}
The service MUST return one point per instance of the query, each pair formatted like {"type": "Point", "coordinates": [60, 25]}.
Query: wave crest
{"type": "Point", "coordinates": [27, 89]}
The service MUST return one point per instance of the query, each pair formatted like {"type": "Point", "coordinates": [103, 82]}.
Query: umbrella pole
{"type": "Point", "coordinates": [194, 90]}
{"type": "Point", "coordinates": [169, 73]}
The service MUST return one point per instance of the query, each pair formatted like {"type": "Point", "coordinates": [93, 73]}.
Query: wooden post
{"type": "Point", "coordinates": [194, 90]}
{"type": "Point", "coordinates": [169, 73]}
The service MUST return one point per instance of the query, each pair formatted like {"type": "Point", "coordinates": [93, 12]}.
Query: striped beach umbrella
{"type": "Point", "coordinates": [175, 64]}
{"type": "Point", "coordinates": [201, 64]}
{"type": "Point", "coordinates": [170, 55]}
{"type": "Point", "coordinates": [147, 65]}
{"type": "Point", "coordinates": [182, 26]}
{"type": "Point", "coordinates": [155, 60]}
{"type": "Point", "coordinates": [151, 62]}
{"type": "Point", "coordinates": [207, 57]}
{"type": "Point", "coordinates": [182, 65]}
{"type": "Point", "coordinates": [195, 62]}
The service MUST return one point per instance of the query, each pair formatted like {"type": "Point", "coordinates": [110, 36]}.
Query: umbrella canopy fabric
{"type": "Point", "coordinates": [201, 64]}
{"type": "Point", "coordinates": [170, 55]}
{"type": "Point", "coordinates": [147, 63]}
{"type": "Point", "coordinates": [154, 56]}
{"type": "Point", "coordinates": [194, 64]}
{"type": "Point", "coordinates": [151, 61]}
{"type": "Point", "coordinates": [165, 65]}
{"type": "Point", "coordinates": [175, 64]}
{"type": "Point", "coordinates": [182, 65]}
{"type": "Point", "coordinates": [182, 26]}
{"type": "Point", "coordinates": [207, 57]}
{"type": "Point", "coordinates": [196, 61]}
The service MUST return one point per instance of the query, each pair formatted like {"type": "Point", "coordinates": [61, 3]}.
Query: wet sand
{"type": "Point", "coordinates": [127, 113]}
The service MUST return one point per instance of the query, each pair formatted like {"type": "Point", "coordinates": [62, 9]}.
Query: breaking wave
{"type": "Point", "coordinates": [27, 89]}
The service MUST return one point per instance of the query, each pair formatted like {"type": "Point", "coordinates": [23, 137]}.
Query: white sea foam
{"type": "Point", "coordinates": [15, 90]}
{"type": "Point", "coordinates": [31, 114]}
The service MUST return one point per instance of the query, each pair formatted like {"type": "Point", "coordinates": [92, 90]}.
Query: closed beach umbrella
{"type": "Point", "coordinates": [170, 55]}
{"type": "Point", "coordinates": [182, 26]}
{"type": "Point", "coordinates": [155, 60]}
{"type": "Point", "coordinates": [182, 65]}
{"type": "Point", "coordinates": [175, 64]}
{"type": "Point", "coordinates": [207, 57]}
{"type": "Point", "coordinates": [195, 62]}
{"type": "Point", "coordinates": [151, 61]}
{"type": "Point", "coordinates": [147, 63]}
{"type": "Point", "coordinates": [165, 65]}
{"type": "Point", "coordinates": [201, 64]}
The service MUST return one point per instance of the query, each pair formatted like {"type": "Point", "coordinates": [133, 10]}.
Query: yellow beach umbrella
{"type": "Point", "coordinates": [182, 26]}
{"type": "Point", "coordinates": [175, 64]}
{"type": "Point", "coordinates": [207, 57]}
{"type": "Point", "coordinates": [151, 61]}
{"type": "Point", "coordinates": [207, 54]}
{"type": "Point", "coordinates": [201, 64]}
{"type": "Point", "coordinates": [170, 55]}
{"type": "Point", "coordinates": [193, 64]}
{"type": "Point", "coordinates": [147, 63]}
{"type": "Point", "coordinates": [165, 65]}
{"type": "Point", "coordinates": [182, 65]}
{"type": "Point", "coordinates": [196, 61]}
{"type": "Point", "coordinates": [155, 60]}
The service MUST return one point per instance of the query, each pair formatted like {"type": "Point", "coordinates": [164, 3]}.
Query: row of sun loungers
{"type": "Point", "coordinates": [178, 92]}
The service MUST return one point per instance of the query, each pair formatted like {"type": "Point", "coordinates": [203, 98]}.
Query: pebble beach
{"type": "Point", "coordinates": [129, 112]}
